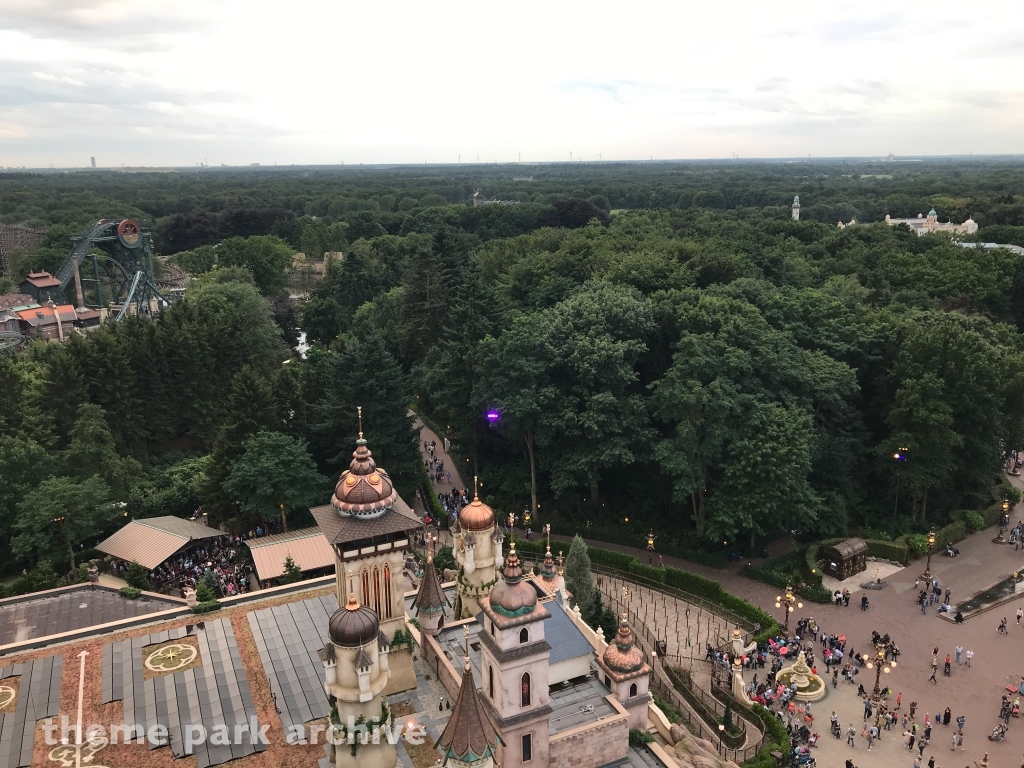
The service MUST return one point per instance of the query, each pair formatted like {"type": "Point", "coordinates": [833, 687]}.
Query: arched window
{"type": "Point", "coordinates": [490, 682]}
{"type": "Point", "coordinates": [524, 635]}
{"type": "Point", "coordinates": [366, 587]}
{"type": "Point", "coordinates": [632, 690]}
{"type": "Point", "coordinates": [376, 590]}
{"type": "Point", "coordinates": [526, 690]}
{"type": "Point", "coordinates": [492, 630]}
{"type": "Point", "coordinates": [387, 591]}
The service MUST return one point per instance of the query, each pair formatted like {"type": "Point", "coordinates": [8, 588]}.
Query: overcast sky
{"type": "Point", "coordinates": [169, 82]}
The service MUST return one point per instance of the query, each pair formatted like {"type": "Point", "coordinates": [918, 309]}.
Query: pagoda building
{"type": "Point", "coordinates": [368, 525]}
{"type": "Point", "coordinates": [478, 553]}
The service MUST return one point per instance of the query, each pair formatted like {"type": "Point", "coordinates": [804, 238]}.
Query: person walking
{"type": "Point", "coordinates": [959, 652]}
{"type": "Point", "coordinates": [960, 722]}
{"type": "Point", "coordinates": [969, 655]}
{"type": "Point", "coordinates": [1002, 626]}
{"type": "Point", "coordinates": [851, 736]}
{"type": "Point", "coordinates": [932, 678]}
{"type": "Point", "coordinates": [1020, 615]}
{"type": "Point", "coordinates": [913, 708]}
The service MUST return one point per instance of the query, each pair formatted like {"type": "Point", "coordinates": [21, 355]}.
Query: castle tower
{"type": "Point", "coordinates": [627, 674]}
{"type": "Point", "coordinates": [356, 673]}
{"type": "Point", "coordinates": [476, 547]}
{"type": "Point", "coordinates": [430, 600]}
{"type": "Point", "coordinates": [514, 660]}
{"type": "Point", "coordinates": [369, 525]}
{"type": "Point", "coordinates": [469, 739]}
{"type": "Point", "coordinates": [796, 207]}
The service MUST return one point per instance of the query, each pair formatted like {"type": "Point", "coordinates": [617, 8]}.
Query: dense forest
{"type": "Point", "coordinates": [665, 348]}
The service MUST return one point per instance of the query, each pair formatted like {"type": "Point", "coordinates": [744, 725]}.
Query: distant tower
{"type": "Point", "coordinates": [796, 207]}
{"type": "Point", "coordinates": [478, 553]}
{"type": "Point", "coordinates": [478, 198]}
{"type": "Point", "coordinates": [93, 159]}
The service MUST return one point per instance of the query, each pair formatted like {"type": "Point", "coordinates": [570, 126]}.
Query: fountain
{"type": "Point", "coordinates": [809, 686]}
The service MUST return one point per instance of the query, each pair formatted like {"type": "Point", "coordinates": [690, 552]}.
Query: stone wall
{"type": "Point", "coordinates": [443, 669]}
{"type": "Point", "coordinates": [588, 747]}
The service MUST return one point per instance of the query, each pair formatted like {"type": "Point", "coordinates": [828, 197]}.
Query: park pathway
{"type": "Point", "coordinates": [428, 435]}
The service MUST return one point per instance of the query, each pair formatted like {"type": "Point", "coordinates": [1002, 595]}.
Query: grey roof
{"type": "Point", "coordinates": [363, 660]}
{"type": "Point", "coordinates": [181, 527]}
{"type": "Point", "coordinates": [327, 653]}
{"type": "Point", "coordinates": [342, 530]}
{"type": "Point", "coordinates": [566, 641]}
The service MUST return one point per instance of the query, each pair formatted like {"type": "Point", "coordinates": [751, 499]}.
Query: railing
{"type": "Point", "coordinates": [661, 683]}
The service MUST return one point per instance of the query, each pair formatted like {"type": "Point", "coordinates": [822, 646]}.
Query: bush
{"type": "Point", "coordinates": [647, 572]}
{"type": "Point", "coordinates": [638, 738]}
{"type": "Point", "coordinates": [129, 593]}
{"type": "Point", "coordinates": [918, 543]}
{"type": "Point", "coordinates": [206, 606]}
{"type": "Point", "coordinates": [444, 559]}
{"type": "Point", "coordinates": [887, 550]}
{"type": "Point", "coordinates": [611, 559]}
{"type": "Point", "coordinates": [204, 594]}
{"type": "Point", "coordinates": [950, 534]}
{"type": "Point", "coordinates": [137, 576]}
{"type": "Point", "coordinates": [974, 521]}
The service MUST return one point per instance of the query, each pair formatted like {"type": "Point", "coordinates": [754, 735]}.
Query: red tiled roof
{"type": "Point", "coordinates": [9, 300]}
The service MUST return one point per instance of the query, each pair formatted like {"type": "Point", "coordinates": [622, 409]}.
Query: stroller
{"type": "Point", "coordinates": [998, 733]}
{"type": "Point", "coordinates": [836, 730]}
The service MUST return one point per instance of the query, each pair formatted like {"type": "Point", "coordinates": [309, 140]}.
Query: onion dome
{"type": "Point", "coordinates": [354, 625]}
{"type": "Point", "coordinates": [363, 490]}
{"type": "Point", "coordinates": [932, 213]}
{"type": "Point", "coordinates": [476, 516]}
{"type": "Point", "coordinates": [469, 735]}
{"type": "Point", "coordinates": [512, 596]}
{"type": "Point", "coordinates": [623, 655]}
{"type": "Point", "coordinates": [547, 569]}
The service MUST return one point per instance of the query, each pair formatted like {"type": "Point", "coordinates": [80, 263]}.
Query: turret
{"type": "Point", "coordinates": [470, 738]}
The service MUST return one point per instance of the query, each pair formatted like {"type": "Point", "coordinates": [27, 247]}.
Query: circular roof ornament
{"type": "Point", "coordinates": [171, 657]}
{"type": "Point", "coordinates": [7, 695]}
{"type": "Point", "coordinates": [130, 233]}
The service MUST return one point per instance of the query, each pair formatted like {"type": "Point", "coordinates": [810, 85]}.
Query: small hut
{"type": "Point", "coordinates": [846, 559]}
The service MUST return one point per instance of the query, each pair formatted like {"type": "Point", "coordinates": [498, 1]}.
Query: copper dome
{"type": "Point", "coordinates": [512, 596]}
{"type": "Point", "coordinates": [622, 654]}
{"type": "Point", "coordinates": [476, 516]}
{"type": "Point", "coordinates": [354, 625]}
{"type": "Point", "coordinates": [363, 489]}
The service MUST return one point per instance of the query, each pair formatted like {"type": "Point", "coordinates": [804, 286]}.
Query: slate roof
{"type": "Point", "coordinates": [469, 735]}
{"type": "Point", "coordinates": [566, 641]}
{"type": "Point", "coordinates": [151, 541]}
{"type": "Point", "coordinates": [430, 598]}
{"type": "Point", "coordinates": [307, 546]}
{"type": "Point", "coordinates": [343, 530]}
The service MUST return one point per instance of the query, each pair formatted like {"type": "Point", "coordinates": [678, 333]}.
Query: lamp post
{"type": "Point", "coordinates": [880, 665]}
{"type": "Point", "coordinates": [650, 548]}
{"type": "Point", "coordinates": [788, 600]}
{"type": "Point", "coordinates": [1004, 523]}
{"type": "Point", "coordinates": [927, 575]}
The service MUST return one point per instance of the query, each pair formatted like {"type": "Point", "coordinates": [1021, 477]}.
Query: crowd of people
{"type": "Point", "coordinates": [224, 560]}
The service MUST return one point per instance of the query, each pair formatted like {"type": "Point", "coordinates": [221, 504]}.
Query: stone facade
{"type": "Point", "coordinates": [479, 557]}
{"type": "Point", "coordinates": [598, 744]}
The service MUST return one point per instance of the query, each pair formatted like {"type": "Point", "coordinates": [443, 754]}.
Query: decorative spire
{"type": "Point", "coordinates": [359, 411]}
{"type": "Point", "coordinates": [465, 632]}
{"type": "Point", "coordinates": [353, 603]}
{"type": "Point", "coordinates": [430, 597]}
{"type": "Point", "coordinates": [561, 562]}
{"type": "Point", "coordinates": [475, 494]}
{"type": "Point", "coordinates": [469, 736]}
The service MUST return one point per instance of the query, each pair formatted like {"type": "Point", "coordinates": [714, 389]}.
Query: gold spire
{"type": "Point", "coordinates": [561, 559]}
{"type": "Point", "coordinates": [475, 494]}
{"type": "Point", "coordinates": [625, 611]}
{"type": "Point", "coordinates": [352, 604]}
{"type": "Point", "coordinates": [465, 632]}
{"type": "Point", "coordinates": [547, 531]}
{"type": "Point", "coordinates": [359, 410]}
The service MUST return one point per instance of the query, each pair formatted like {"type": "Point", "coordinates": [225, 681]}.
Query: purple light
{"type": "Point", "coordinates": [493, 415]}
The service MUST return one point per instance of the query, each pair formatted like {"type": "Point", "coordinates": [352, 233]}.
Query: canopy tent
{"type": "Point", "coordinates": [153, 540]}
{"type": "Point", "coordinates": [308, 548]}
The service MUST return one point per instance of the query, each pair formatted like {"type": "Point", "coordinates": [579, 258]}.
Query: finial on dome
{"type": "Point", "coordinates": [353, 603]}
{"type": "Point", "coordinates": [465, 632]}
{"type": "Point", "coordinates": [561, 560]}
{"type": "Point", "coordinates": [547, 532]}
{"type": "Point", "coordinates": [475, 494]}
{"type": "Point", "coordinates": [625, 611]}
{"type": "Point", "coordinates": [359, 410]}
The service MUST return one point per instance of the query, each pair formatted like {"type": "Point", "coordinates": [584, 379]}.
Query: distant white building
{"type": "Point", "coordinates": [924, 225]}
{"type": "Point", "coordinates": [796, 207]}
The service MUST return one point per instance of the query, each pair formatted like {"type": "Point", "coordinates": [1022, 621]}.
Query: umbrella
{"type": "Point", "coordinates": [783, 651]}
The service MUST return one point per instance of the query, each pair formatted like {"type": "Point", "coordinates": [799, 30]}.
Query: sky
{"type": "Point", "coordinates": [162, 83]}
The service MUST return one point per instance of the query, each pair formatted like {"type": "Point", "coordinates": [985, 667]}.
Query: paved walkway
{"type": "Point", "coordinates": [428, 435]}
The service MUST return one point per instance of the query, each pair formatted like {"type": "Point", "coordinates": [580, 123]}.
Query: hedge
{"type": "Point", "coordinates": [887, 550]}
{"type": "Point", "coordinates": [612, 559]}
{"type": "Point", "coordinates": [647, 572]}
{"type": "Point", "coordinates": [207, 607]}
{"type": "Point", "coordinates": [129, 593]}
{"type": "Point", "coordinates": [436, 510]}
{"type": "Point", "coordinates": [950, 534]}
{"type": "Point", "coordinates": [776, 739]}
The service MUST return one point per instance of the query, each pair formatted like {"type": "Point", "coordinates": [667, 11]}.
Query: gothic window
{"type": "Point", "coordinates": [526, 690]}
{"type": "Point", "coordinates": [527, 747]}
{"type": "Point", "coordinates": [387, 590]}
{"type": "Point", "coordinates": [524, 635]}
{"type": "Point", "coordinates": [365, 577]}
{"type": "Point", "coordinates": [376, 590]}
{"type": "Point", "coordinates": [490, 682]}
{"type": "Point", "coordinates": [632, 690]}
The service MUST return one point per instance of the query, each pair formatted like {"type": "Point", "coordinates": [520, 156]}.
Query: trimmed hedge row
{"type": "Point", "coordinates": [129, 593]}
{"type": "Point", "coordinates": [887, 550]}
{"type": "Point", "coordinates": [207, 607]}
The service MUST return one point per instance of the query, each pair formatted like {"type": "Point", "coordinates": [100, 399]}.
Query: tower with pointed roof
{"type": "Point", "coordinates": [470, 739]}
{"type": "Point", "coordinates": [356, 674]}
{"type": "Point", "coordinates": [796, 208]}
{"type": "Point", "coordinates": [368, 526]}
{"type": "Point", "coordinates": [478, 553]}
{"type": "Point", "coordinates": [627, 674]}
{"type": "Point", "coordinates": [430, 600]}
{"type": "Point", "coordinates": [514, 660]}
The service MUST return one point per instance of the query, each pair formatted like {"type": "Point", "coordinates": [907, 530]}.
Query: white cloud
{"type": "Point", "coordinates": [244, 81]}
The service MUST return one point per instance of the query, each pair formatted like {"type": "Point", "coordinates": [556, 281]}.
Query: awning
{"type": "Point", "coordinates": [151, 541]}
{"type": "Point", "coordinates": [308, 547]}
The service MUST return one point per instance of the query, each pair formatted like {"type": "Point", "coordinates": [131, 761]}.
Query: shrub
{"type": "Point", "coordinates": [954, 532]}
{"type": "Point", "coordinates": [887, 550]}
{"type": "Point", "coordinates": [129, 593]}
{"type": "Point", "coordinates": [638, 738]}
{"type": "Point", "coordinates": [647, 572]}
{"type": "Point", "coordinates": [918, 543]}
{"type": "Point", "coordinates": [974, 521]}
{"type": "Point", "coordinates": [611, 559]}
{"type": "Point", "coordinates": [291, 573]}
{"type": "Point", "coordinates": [204, 594]}
{"type": "Point", "coordinates": [206, 606]}
{"type": "Point", "coordinates": [137, 576]}
{"type": "Point", "coordinates": [445, 560]}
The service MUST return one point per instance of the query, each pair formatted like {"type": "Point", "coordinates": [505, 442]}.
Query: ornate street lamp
{"type": "Point", "coordinates": [788, 600]}
{"type": "Point", "coordinates": [880, 665]}
{"type": "Point", "coordinates": [1004, 523]}
{"type": "Point", "coordinates": [927, 575]}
